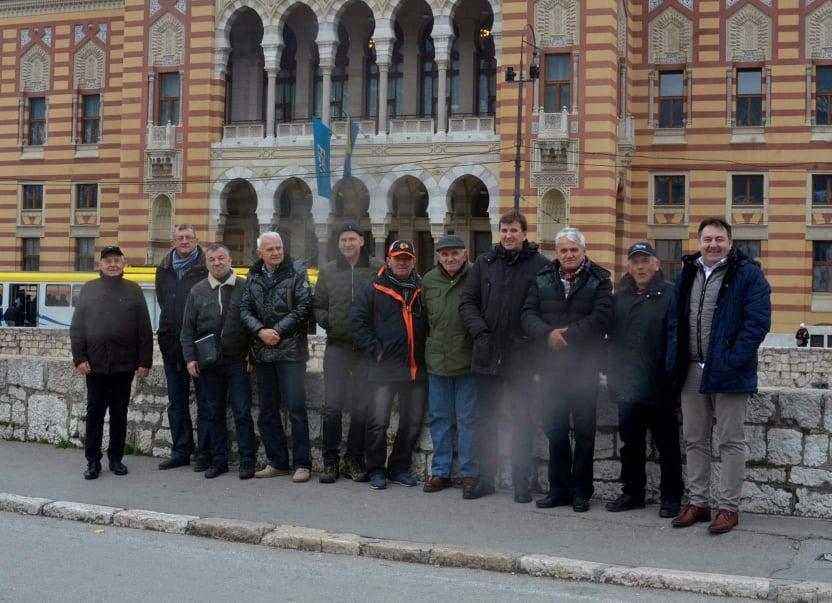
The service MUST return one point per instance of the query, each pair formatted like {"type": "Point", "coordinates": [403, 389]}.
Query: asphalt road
{"type": "Point", "coordinates": [54, 560]}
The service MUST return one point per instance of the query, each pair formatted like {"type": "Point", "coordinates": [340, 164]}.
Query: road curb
{"type": "Point", "coordinates": [443, 555]}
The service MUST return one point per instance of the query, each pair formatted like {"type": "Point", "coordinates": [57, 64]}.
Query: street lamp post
{"type": "Point", "coordinates": [511, 76]}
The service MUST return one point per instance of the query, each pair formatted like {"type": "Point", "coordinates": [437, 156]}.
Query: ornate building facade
{"type": "Point", "coordinates": [122, 117]}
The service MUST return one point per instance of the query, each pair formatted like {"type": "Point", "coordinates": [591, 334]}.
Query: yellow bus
{"type": "Point", "coordinates": [47, 299]}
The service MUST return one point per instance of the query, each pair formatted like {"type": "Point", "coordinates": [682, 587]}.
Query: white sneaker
{"type": "Point", "coordinates": [302, 474]}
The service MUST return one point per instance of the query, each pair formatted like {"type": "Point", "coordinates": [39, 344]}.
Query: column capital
{"type": "Point", "coordinates": [271, 56]}
{"type": "Point", "coordinates": [384, 50]}
{"type": "Point", "coordinates": [442, 47]}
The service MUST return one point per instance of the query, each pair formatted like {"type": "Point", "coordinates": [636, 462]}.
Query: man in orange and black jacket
{"type": "Point", "coordinates": [389, 323]}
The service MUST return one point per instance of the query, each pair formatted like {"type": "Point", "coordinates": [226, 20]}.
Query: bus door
{"type": "Point", "coordinates": [24, 298]}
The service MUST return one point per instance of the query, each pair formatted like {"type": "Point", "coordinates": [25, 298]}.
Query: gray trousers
{"type": "Point", "coordinates": [698, 412]}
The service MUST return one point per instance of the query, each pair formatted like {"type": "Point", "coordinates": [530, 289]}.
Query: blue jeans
{"type": "Point", "coordinates": [449, 396]}
{"type": "Point", "coordinates": [179, 414]}
{"type": "Point", "coordinates": [227, 384]}
{"type": "Point", "coordinates": [283, 381]}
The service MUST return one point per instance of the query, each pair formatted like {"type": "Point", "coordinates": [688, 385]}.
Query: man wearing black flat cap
{"type": "Point", "coordinates": [111, 339]}
{"type": "Point", "coordinates": [640, 384]}
{"type": "Point", "coordinates": [345, 366]}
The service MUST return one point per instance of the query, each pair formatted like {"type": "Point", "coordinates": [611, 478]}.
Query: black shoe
{"type": "Point", "coordinates": [521, 492]}
{"type": "Point", "coordinates": [551, 501]}
{"type": "Point", "coordinates": [216, 470]}
{"type": "Point", "coordinates": [246, 470]}
{"type": "Point", "coordinates": [625, 502]}
{"type": "Point", "coordinates": [669, 508]}
{"type": "Point", "coordinates": [330, 473]}
{"type": "Point", "coordinates": [93, 470]}
{"type": "Point", "coordinates": [580, 505]}
{"type": "Point", "coordinates": [201, 465]}
{"type": "Point", "coordinates": [174, 462]}
{"type": "Point", "coordinates": [118, 467]}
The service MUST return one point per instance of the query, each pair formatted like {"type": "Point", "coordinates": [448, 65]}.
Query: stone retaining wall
{"type": "Point", "coordinates": [788, 432]}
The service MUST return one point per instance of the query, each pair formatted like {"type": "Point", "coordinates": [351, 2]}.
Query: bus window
{"type": "Point", "coordinates": [25, 300]}
{"type": "Point", "coordinates": [76, 291]}
{"type": "Point", "coordinates": [57, 296]}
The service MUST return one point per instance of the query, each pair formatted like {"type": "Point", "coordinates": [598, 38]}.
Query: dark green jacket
{"type": "Point", "coordinates": [338, 283]}
{"type": "Point", "coordinates": [448, 348]}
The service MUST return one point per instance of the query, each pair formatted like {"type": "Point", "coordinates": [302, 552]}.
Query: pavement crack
{"type": "Point", "coordinates": [795, 544]}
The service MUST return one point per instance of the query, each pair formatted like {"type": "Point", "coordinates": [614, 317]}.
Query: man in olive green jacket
{"type": "Point", "coordinates": [452, 387]}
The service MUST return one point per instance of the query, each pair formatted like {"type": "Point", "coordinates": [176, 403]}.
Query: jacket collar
{"type": "Point", "coordinates": [199, 262]}
{"type": "Point", "coordinates": [628, 283]}
{"type": "Point", "coordinates": [529, 249]}
{"type": "Point", "coordinates": [363, 259]}
{"type": "Point", "coordinates": [230, 281]}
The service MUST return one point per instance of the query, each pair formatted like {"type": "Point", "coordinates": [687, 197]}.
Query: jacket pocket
{"type": "Point", "coordinates": [481, 353]}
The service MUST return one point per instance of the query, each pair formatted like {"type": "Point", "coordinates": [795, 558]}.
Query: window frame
{"type": "Point", "coordinates": [670, 186]}
{"type": "Point", "coordinates": [30, 262]}
{"type": "Point", "coordinates": [174, 102]}
{"type": "Point", "coordinates": [823, 94]}
{"type": "Point", "coordinates": [749, 99]}
{"type": "Point", "coordinates": [828, 189]}
{"type": "Point", "coordinates": [747, 192]}
{"type": "Point", "coordinates": [84, 263]}
{"type": "Point", "coordinates": [557, 84]}
{"type": "Point", "coordinates": [32, 122]}
{"type": "Point", "coordinates": [824, 265]}
{"type": "Point", "coordinates": [680, 99]}
{"type": "Point", "coordinates": [23, 187]}
{"type": "Point", "coordinates": [671, 267]}
{"type": "Point", "coordinates": [77, 196]}
{"type": "Point", "coordinates": [84, 119]}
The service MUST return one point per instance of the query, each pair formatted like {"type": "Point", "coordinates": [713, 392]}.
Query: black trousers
{"type": "Point", "coordinates": [633, 422]}
{"type": "Point", "coordinates": [110, 391]}
{"type": "Point", "coordinates": [346, 390]}
{"type": "Point", "coordinates": [413, 396]}
{"type": "Point", "coordinates": [571, 473]}
{"type": "Point", "coordinates": [227, 384]}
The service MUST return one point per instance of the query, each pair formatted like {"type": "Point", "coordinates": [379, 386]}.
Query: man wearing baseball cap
{"type": "Point", "coordinates": [111, 339]}
{"type": "Point", "coordinates": [452, 386]}
{"type": "Point", "coordinates": [389, 323]}
{"type": "Point", "coordinates": [639, 383]}
{"type": "Point", "coordinates": [345, 366]}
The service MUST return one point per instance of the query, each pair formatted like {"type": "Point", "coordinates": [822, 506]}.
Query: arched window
{"type": "Point", "coordinates": [370, 80]}
{"type": "Point", "coordinates": [427, 73]}
{"type": "Point", "coordinates": [161, 223]}
{"type": "Point", "coordinates": [339, 98]}
{"type": "Point", "coordinates": [454, 98]}
{"type": "Point", "coordinates": [317, 82]}
{"type": "Point", "coordinates": [285, 89]}
{"type": "Point", "coordinates": [486, 82]}
{"type": "Point", "coordinates": [395, 77]}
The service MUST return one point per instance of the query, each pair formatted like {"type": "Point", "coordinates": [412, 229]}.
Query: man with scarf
{"type": "Point", "coordinates": [490, 304]}
{"type": "Point", "coordinates": [111, 339]}
{"type": "Point", "coordinates": [180, 270]}
{"type": "Point", "coordinates": [567, 313]}
{"type": "Point", "coordinates": [213, 311]}
{"type": "Point", "coordinates": [389, 323]}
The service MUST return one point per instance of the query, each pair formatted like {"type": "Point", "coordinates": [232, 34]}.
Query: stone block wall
{"type": "Point", "coordinates": [787, 430]}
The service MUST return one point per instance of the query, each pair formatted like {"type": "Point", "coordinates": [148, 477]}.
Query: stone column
{"type": "Point", "coordinates": [74, 132]}
{"type": "Point", "coordinates": [327, 42]}
{"type": "Point", "coordinates": [326, 93]}
{"type": "Point", "coordinates": [322, 234]}
{"type": "Point", "coordinates": [181, 95]}
{"type": "Point", "coordinates": [442, 96]}
{"type": "Point", "coordinates": [271, 75]}
{"type": "Point", "coordinates": [151, 87]}
{"type": "Point", "coordinates": [379, 238]}
{"type": "Point", "coordinates": [382, 98]}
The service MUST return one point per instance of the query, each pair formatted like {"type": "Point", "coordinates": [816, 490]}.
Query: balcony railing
{"type": "Point", "coordinates": [161, 137]}
{"type": "Point", "coordinates": [627, 130]}
{"type": "Point", "coordinates": [366, 127]}
{"type": "Point", "coordinates": [471, 125]}
{"type": "Point", "coordinates": [242, 131]}
{"type": "Point", "coordinates": [554, 125]}
{"type": "Point", "coordinates": [412, 125]}
{"type": "Point", "coordinates": [294, 129]}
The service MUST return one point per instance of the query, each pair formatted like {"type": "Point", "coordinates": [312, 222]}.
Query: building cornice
{"type": "Point", "coordinates": [26, 8]}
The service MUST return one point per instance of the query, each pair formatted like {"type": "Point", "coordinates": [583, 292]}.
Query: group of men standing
{"type": "Point", "coordinates": [512, 326]}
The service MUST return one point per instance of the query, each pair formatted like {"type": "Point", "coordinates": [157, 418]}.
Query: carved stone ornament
{"type": "Point", "coordinates": [560, 181]}
{"type": "Point", "coordinates": [819, 32]}
{"type": "Point", "coordinates": [155, 7]}
{"type": "Point", "coordinates": [35, 70]}
{"type": "Point", "coordinates": [749, 35]}
{"type": "Point", "coordinates": [182, 6]}
{"type": "Point", "coordinates": [670, 36]}
{"type": "Point", "coordinates": [47, 36]}
{"type": "Point", "coordinates": [167, 42]}
{"type": "Point", "coordinates": [102, 32]}
{"type": "Point", "coordinates": [25, 37]}
{"type": "Point", "coordinates": [79, 33]}
{"type": "Point", "coordinates": [622, 30]}
{"type": "Point", "coordinates": [89, 66]}
{"type": "Point", "coordinates": [556, 22]}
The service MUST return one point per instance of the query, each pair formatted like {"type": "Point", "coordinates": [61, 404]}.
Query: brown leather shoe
{"type": "Point", "coordinates": [436, 483]}
{"type": "Point", "coordinates": [691, 515]}
{"type": "Point", "coordinates": [724, 521]}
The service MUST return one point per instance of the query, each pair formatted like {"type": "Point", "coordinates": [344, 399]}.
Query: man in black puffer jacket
{"type": "Point", "coordinates": [213, 310]}
{"type": "Point", "coordinates": [276, 306]}
{"type": "Point", "coordinates": [490, 305]}
{"type": "Point", "coordinates": [389, 322]}
{"type": "Point", "coordinates": [639, 383]}
{"type": "Point", "coordinates": [180, 270]}
{"type": "Point", "coordinates": [567, 313]}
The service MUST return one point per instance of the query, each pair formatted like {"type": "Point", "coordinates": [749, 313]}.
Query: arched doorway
{"type": "Point", "coordinates": [351, 202]}
{"type": "Point", "coordinates": [552, 216]}
{"type": "Point", "coordinates": [294, 221]}
{"type": "Point", "coordinates": [245, 86]}
{"type": "Point", "coordinates": [409, 204]}
{"type": "Point", "coordinates": [469, 201]}
{"type": "Point", "coordinates": [241, 228]}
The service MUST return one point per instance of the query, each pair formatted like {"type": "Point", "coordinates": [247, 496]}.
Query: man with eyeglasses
{"type": "Point", "coordinates": [180, 270]}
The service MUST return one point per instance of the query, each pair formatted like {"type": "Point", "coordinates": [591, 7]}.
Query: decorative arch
{"type": "Point", "coordinates": [385, 187]}
{"type": "Point", "coordinates": [278, 19]}
{"type": "Point", "coordinates": [167, 42]}
{"type": "Point", "coordinates": [819, 32]}
{"type": "Point", "coordinates": [89, 66]}
{"type": "Point", "coordinates": [217, 200]}
{"type": "Point", "coordinates": [486, 177]}
{"type": "Point", "coordinates": [671, 38]}
{"type": "Point", "coordinates": [553, 214]}
{"type": "Point", "coordinates": [749, 35]}
{"type": "Point", "coordinates": [161, 218]}
{"type": "Point", "coordinates": [336, 11]}
{"type": "Point", "coordinates": [556, 22]}
{"type": "Point", "coordinates": [35, 70]}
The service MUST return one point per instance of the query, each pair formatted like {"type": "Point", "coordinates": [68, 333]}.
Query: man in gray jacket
{"type": "Point", "coordinates": [212, 311]}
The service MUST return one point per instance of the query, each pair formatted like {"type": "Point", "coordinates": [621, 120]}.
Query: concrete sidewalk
{"type": "Point", "coordinates": [762, 546]}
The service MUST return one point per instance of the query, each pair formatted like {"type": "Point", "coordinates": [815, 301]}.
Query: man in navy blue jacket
{"type": "Point", "coordinates": [720, 315]}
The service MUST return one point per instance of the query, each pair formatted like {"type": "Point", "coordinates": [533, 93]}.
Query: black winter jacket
{"type": "Point", "coordinates": [111, 327]}
{"type": "Point", "coordinates": [171, 294]}
{"type": "Point", "coordinates": [587, 313]}
{"type": "Point", "coordinates": [636, 370]}
{"type": "Point", "coordinates": [202, 317]}
{"type": "Point", "coordinates": [338, 284]}
{"type": "Point", "coordinates": [266, 305]}
{"type": "Point", "coordinates": [383, 320]}
{"type": "Point", "coordinates": [490, 305]}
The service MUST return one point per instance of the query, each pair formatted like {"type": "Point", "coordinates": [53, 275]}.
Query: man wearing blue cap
{"type": "Point", "coordinates": [640, 384]}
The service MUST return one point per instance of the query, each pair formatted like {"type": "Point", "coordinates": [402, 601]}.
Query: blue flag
{"type": "Point", "coordinates": [320, 147]}
{"type": "Point", "coordinates": [353, 128]}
